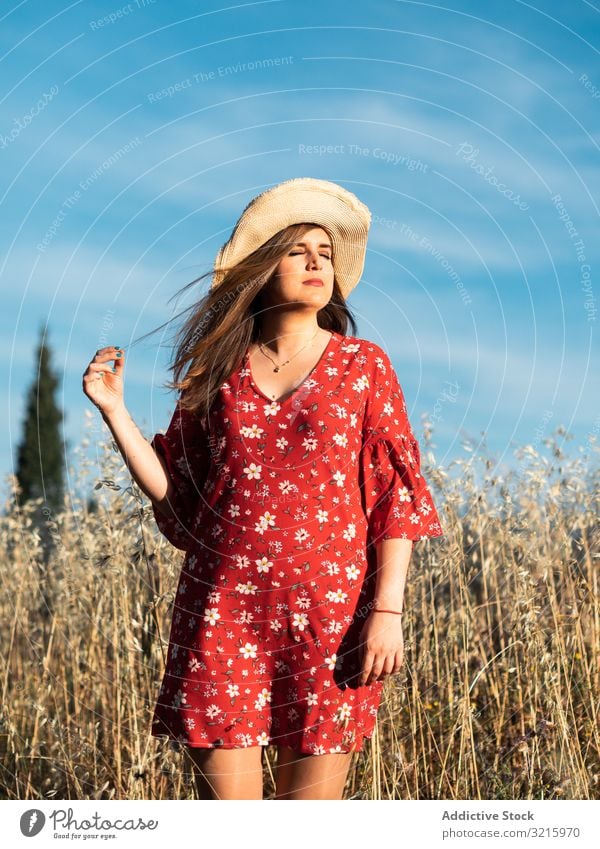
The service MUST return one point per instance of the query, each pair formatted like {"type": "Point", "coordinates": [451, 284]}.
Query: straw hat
{"type": "Point", "coordinates": [302, 199]}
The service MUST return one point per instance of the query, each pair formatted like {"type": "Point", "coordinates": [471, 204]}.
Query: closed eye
{"type": "Point", "coordinates": [295, 253]}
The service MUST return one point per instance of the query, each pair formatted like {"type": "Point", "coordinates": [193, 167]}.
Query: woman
{"type": "Point", "coordinates": [290, 475]}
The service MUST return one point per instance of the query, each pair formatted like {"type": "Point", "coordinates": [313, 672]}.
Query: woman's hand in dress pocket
{"type": "Point", "coordinates": [381, 646]}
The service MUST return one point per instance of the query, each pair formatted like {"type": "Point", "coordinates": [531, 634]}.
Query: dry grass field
{"type": "Point", "coordinates": [498, 697]}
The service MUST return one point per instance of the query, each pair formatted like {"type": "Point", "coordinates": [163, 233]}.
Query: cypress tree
{"type": "Point", "coordinates": [40, 454]}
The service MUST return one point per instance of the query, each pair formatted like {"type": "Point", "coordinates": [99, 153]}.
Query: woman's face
{"type": "Point", "coordinates": [310, 258]}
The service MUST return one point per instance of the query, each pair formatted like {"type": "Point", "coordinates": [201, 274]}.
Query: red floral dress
{"type": "Point", "coordinates": [278, 507]}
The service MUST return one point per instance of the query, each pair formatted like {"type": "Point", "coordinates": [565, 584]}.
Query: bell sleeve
{"type": "Point", "coordinates": [184, 450]}
{"type": "Point", "coordinates": [395, 496]}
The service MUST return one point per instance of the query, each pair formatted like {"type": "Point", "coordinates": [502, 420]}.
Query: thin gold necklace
{"type": "Point", "coordinates": [281, 365]}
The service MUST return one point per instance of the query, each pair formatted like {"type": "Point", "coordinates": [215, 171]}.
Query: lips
{"type": "Point", "coordinates": [314, 281]}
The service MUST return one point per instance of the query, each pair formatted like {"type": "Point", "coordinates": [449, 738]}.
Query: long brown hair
{"type": "Point", "coordinates": [226, 320]}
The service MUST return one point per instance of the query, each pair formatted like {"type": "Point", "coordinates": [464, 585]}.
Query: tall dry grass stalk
{"type": "Point", "coordinates": [498, 697]}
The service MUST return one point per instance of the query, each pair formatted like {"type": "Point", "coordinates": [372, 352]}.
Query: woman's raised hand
{"type": "Point", "coordinates": [103, 383]}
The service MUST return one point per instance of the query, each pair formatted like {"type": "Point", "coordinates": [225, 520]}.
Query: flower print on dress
{"type": "Point", "coordinates": [265, 632]}
{"type": "Point", "coordinates": [397, 500]}
{"type": "Point", "coordinates": [184, 450]}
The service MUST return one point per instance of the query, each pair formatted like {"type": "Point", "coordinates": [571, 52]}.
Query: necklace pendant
{"type": "Point", "coordinates": [276, 368]}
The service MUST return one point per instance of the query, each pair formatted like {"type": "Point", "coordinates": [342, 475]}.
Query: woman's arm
{"type": "Point", "coordinates": [393, 558]}
{"type": "Point", "coordinates": [381, 640]}
{"type": "Point", "coordinates": [103, 385]}
{"type": "Point", "coordinates": [145, 465]}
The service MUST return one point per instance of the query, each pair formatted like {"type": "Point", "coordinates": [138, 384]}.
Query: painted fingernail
{"type": "Point", "coordinates": [114, 370]}
{"type": "Point", "coordinates": [118, 353]}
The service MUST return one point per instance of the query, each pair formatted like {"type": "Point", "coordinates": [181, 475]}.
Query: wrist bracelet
{"type": "Point", "coordinates": [383, 610]}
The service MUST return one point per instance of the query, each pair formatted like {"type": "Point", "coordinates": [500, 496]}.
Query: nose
{"type": "Point", "coordinates": [315, 259]}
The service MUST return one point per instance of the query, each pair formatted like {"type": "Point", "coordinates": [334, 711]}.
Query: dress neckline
{"type": "Point", "coordinates": [333, 338]}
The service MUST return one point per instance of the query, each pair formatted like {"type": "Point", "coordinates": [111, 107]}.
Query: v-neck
{"type": "Point", "coordinates": [333, 338]}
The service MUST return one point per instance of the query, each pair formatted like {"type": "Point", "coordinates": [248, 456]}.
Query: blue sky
{"type": "Point", "coordinates": [132, 135]}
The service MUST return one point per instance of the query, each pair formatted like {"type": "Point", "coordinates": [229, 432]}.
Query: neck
{"type": "Point", "coordinates": [283, 337]}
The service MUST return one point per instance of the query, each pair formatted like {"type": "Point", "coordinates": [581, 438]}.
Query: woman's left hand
{"type": "Point", "coordinates": [381, 646]}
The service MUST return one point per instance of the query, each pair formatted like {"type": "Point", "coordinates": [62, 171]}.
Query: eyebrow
{"type": "Point", "coordinates": [322, 245]}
